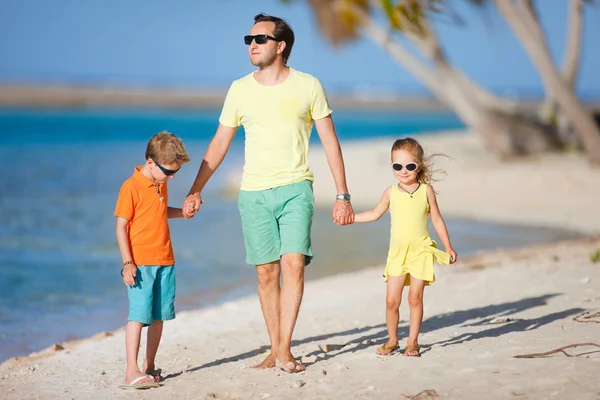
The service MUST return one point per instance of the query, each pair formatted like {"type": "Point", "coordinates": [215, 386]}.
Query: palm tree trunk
{"type": "Point", "coordinates": [571, 60]}
{"type": "Point", "coordinates": [524, 26]}
{"type": "Point", "coordinates": [501, 129]}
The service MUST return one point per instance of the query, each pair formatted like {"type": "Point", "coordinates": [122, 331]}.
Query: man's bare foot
{"type": "Point", "coordinates": [388, 348]}
{"type": "Point", "coordinates": [268, 362]}
{"type": "Point", "coordinates": [288, 363]}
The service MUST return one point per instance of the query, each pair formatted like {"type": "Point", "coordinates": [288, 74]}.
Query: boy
{"type": "Point", "coordinates": [144, 240]}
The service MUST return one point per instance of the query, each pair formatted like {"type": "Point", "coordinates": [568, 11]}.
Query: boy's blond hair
{"type": "Point", "coordinates": [166, 148]}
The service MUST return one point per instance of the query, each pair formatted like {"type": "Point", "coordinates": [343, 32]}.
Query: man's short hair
{"type": "Point", "coordinates": [283, 32]}
{"type": "Point", "coordinates": [166, 148]}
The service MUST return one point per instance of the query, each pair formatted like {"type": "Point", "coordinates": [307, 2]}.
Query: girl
{"type": "Point", "coordinates": [411, 254]}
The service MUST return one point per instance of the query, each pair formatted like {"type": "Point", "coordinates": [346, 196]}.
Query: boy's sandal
{"type": "Point", "coordinates": [386, 350]}
{"type": "Point", "coordinates": [411, 349]}
{"type": "Point", "coordinates": [134, 384]}
{"type": "Point", "coordinates": [156, 374]}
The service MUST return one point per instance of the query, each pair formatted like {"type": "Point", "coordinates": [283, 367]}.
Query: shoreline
{"type": "Point", "coordinates": [198, 356]}
{"type": "Point", "coordinates": [479, 314]}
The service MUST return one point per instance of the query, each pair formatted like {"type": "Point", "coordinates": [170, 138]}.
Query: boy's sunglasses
{"type": "Point", "coordinates": [259, 39]}
{"type": "Point", "coordinates": [410, 166]}
{"type": "Point", "coordinates": [167, 172]}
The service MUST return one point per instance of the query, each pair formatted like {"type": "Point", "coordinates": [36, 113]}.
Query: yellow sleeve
{"type": "Point", "coordinates": [230, 115]}
{"type": "Point", "coordinates": [319, 106]}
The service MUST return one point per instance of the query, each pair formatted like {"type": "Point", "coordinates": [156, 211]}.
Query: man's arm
{"type": "Point", "coordinates": [214, 156]}
{"type": "Point", "coordinates": [342, 211]}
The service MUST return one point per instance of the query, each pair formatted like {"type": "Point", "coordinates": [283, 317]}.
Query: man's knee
{"type": "Point", "coordinates": [293, 266]}
{"type": "Point", "coordinates": [268, 274]}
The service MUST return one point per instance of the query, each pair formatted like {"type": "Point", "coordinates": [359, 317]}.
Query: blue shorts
{"type": "Point", "coordinates": [153, 296]}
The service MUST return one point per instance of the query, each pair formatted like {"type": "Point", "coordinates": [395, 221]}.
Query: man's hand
{"type": "Point", "coordinates": [191, 205]}
{"type": "Point", "coordinates": [343, 214]}
{"type": "Point", "coordinates": [129, 272]}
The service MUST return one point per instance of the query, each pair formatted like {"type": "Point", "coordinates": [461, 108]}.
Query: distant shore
{"type": "Point", "coordinates": [79, 96]}
{"type": "Point", "coordinates": [552, 190]}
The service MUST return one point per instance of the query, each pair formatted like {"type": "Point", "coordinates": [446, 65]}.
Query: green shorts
{"type": "Point", "coordinates": [153, 296]}
{"type": "Point", "coordinates": [277, 221]}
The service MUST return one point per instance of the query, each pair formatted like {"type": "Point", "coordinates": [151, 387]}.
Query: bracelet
{"type": "Point", "coordinates": [127, 262]}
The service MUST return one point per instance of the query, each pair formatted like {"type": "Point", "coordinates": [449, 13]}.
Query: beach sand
{"type": "Point", "coordinates": [480, 313]}
{"type": "Point", "coordinates": [560, 191]}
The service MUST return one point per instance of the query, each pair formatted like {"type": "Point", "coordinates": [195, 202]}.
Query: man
{"type": "Point", "coordinates": [277, 106]}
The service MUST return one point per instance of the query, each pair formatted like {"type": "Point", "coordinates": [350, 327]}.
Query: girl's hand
{"type": "Point", "coordinates": [453, 255]}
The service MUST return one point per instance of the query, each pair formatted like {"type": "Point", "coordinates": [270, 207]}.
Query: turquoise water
{"type": "Point", "coordinates": [59, 262]}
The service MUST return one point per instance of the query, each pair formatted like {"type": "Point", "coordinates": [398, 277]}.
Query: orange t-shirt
{"type": "Point", "coordinates": [148, 228]}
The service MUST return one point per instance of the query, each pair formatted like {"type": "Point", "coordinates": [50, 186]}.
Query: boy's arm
{"type": "Point", "coordinates": [129, 269]}
{"type": "Point", "coordinates": [378, 211]}
{"type": "Point", "coordinates": [342, 211]}
{"type": "Point", "coordinates": [173, 212]}
{"type": "Point", "coordinates": [439, 224]}
{"type": "Point", "coordinates": [214, 156]}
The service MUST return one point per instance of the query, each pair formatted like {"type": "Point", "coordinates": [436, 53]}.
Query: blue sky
{"type": "Point", "coordinates": [193, 44]}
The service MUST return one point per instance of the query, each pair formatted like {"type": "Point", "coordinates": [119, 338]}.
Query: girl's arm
{"type": "Point", "coordinates": [378, 211]}
{"type": "Point", "coordinates": [439, 224]}
{"type": "Point", "coordinates": [173, 212]}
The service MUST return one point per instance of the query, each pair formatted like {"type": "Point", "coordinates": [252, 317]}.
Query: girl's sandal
{"type": "Point", "coordinates": [387, 350]}
{"type": "Point", "coordinates": [412, 349]}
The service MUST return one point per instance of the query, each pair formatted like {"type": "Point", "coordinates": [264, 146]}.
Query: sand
{"type": "Point", "coordinates": [480, 313]}
{"type": "Point", "coordinates": [560, 191]}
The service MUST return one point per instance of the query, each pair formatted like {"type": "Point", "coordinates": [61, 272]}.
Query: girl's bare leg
{"type": "Point", "coordinates": [393, 298]}
{"type": "Point", "coordinates": [415, 301]}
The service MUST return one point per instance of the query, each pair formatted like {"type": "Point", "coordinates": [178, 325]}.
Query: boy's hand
{"type": "Point", "coordinates": [453, 255]}
{"type": "Point", "coordinates": [191, 205]}
{"type": "Point", "coordinates": [129, 272]}
{"type": "Point", "coordinates": [188, 210]}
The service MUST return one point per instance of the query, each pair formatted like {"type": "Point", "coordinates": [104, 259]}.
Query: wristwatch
{"type": "Point", "coordinates": [345, 197]}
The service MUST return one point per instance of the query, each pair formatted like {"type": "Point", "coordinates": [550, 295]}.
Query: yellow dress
{"type": "Point", "coordinates": [411, 249]}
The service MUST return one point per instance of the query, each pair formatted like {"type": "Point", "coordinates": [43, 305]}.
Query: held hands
{"type": "Point", "coordinates": [343, 214]}
{"type": "Point", "coordinates": [191, 205]}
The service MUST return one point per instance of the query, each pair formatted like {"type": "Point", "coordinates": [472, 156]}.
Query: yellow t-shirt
{"type": "Point", "coordinates": [278, 121]}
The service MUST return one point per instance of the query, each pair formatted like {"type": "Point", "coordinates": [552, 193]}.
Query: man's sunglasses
{"type": "Point", "coordinates": [167, 172]}
{"type": "Point", "coordinates": [410, 166]}
{"type": "Point", "coordinates": [259, 39]}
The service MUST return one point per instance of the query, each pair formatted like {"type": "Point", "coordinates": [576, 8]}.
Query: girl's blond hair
{"type": "Point", "coordinates": [426, 173]}
{"type": "Point", "coordinates": [166, 148]}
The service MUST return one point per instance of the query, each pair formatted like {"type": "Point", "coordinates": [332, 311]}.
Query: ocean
{"type": "Point", "coordinates": [59, 260]}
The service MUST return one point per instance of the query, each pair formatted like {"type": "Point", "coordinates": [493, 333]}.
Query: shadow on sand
{"type": "Point", "coordinates": [476, 318]}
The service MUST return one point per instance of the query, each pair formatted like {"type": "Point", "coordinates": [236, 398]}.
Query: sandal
{"type": "Point", "coordinates": [387, 350]}
{"type": "Point", "coordinates": [411, 349]}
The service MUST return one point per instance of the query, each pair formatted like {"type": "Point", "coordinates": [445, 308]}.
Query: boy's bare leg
{"type": "Point", "coordinates": [268, 293]}
{"type": "Point", "coordinates": [292, 289]}
{"type": "Point", "coordinates": [133, 333]}
{"type": "Point", "coordinates": [152, 343]}
{"type": "Point", "coordinates": [415, 301]}
{"type": "Point", "coordinates": [393, 298]}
